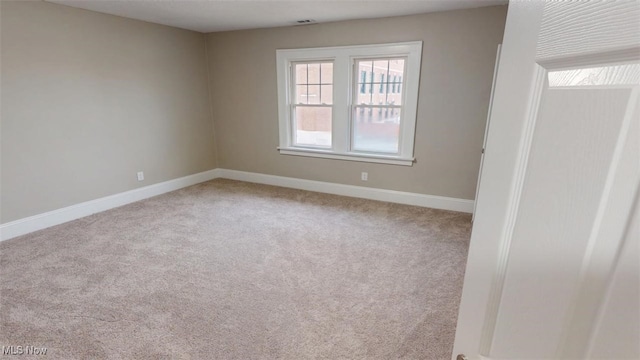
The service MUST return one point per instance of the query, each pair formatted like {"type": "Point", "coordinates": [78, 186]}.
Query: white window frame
{"type": "Point", "coordinates": [344, 93]}
{"type": "Point", "coordinates": [292, 106]}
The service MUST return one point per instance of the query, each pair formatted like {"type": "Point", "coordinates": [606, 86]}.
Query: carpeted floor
{"type": "Point", "coordinates": [232, 270]}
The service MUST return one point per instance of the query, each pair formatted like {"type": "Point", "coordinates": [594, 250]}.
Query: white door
{"type": "Point", "coordinates": [553, 261]}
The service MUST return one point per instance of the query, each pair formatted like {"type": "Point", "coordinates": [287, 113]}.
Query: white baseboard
{"type": "Point", "coordinates": [400, 197]}
{"type": "Point", "coordinates": [73, 212]}
{"type": "Point", "coordinates": [59, 216]}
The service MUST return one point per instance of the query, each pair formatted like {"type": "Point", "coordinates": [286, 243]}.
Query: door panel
{"type": "Point", "coordinates": [617, 336]}
{"type": "Point", "coordinates": [573, 145]}
{"type": "Point", "coordinates": [608, 243]}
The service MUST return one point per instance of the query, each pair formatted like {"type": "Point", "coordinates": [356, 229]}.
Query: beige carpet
{"type": "Point", "coordinates": [232, 270]}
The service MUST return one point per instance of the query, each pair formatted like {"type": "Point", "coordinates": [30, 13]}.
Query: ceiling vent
{"type": "Point", "coordinates": [305, 22]}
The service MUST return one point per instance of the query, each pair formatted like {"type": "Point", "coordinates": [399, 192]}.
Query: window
{"type": "Point", "coordinates": [351, 102]}
{"type": "Point", "coordinates": [313, 103]}
{"type": "Point", "coordinates": [373, 132]}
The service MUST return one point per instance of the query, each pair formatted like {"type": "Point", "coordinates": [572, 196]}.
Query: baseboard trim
{"type": "Point", "coordinates": [400, 197]}
{"type": "Point", "coordinates": [51, 218]}
{"type": "Point", "coordinates": [41, 221]}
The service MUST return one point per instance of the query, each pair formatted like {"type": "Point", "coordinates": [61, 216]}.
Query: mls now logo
{"type": "Point", "coordinates": [23, 350]}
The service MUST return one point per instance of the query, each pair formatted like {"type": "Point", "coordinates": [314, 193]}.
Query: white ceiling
{"type": "Point", "coordinates": [222, 15]}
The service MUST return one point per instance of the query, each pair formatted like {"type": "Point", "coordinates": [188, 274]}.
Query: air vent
{"type": "Point", "coordinates": [305, 22]}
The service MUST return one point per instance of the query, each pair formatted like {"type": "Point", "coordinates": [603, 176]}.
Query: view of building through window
{"type": "Point", "coordinates": [376, 109]}
{"type": "Point", "coordinates": [376, 117]}
{"type": "Point", "coordinates": [313, 103]}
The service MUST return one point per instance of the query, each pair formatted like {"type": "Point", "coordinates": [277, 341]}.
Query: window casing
{"type": "Point", "coordinates": [371, 115]}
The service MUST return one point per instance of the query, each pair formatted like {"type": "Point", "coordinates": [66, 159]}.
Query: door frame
{"type": "Point", "coordinates": [486, 128]}
{"type": "Point", "coordinates": [504, 168]}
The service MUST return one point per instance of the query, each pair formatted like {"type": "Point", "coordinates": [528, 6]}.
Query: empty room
{"type": "Point", "coordinates": [434, 179]}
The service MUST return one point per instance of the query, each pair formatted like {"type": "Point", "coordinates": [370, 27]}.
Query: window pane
{"type": "Point", "coordinates": [301, 73]}
{"type": "Point", "coordinates": [365, 67]}
{"type": "Point", "coordinates": [363, 98]}
{"type": "Point", "coordinates": [308, 89]}
{"type": "Point", "coordinates": [396, 73]}
{"type": "Point", "coordinates": [380, 82]}
{"type": "Point", "coordinates": [301, 94]}
{"type": "Point", "coordinates": [326, 76]}
{"type": "Point", "coordinates": [326, 94]}
{"type": "Point", "coordinates": [381, 67]}
{"type": "Point", "coordinates": [376, 129]}
{"type": "Point", "coordinates": [313, 126]}
{"type": "Point", "coordinates": [313, 94]}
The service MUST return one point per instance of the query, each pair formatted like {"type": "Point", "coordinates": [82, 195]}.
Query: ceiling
{"type": "Point", "coordinates": [223, 15]}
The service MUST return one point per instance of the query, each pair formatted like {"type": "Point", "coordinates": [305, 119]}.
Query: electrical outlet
{"type": "Point", "coordinates": [364, 176]}
{"type": "Point", "coordinates": [140, 175]}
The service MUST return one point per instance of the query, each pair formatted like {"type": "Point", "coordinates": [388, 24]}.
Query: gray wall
{"type": "Point", "coordinates": [459, 49]}
{"type": "Point", "coordinates": [89, 99]}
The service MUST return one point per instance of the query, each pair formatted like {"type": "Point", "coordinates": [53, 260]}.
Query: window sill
{"type": "Point", "coordinates": [327, 154]}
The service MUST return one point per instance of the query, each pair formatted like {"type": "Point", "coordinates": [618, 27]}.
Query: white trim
{"type": "Point", "coordinates": [539, 84]}
{"type": "Point", "coordinates": [41, 221]}
{"type": "Point", "coordinates": [509, 116]}
{"type": "Point", "coordinates": [51, 218]}
{"type": "Point", "coordinates": [496, 66]}
{"type": "Point", "coordinates": [368, 49]}
{"type": "Point", "coordinates": [381, 159]}
{"type": "Point", "coordinates": [399, 197]}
